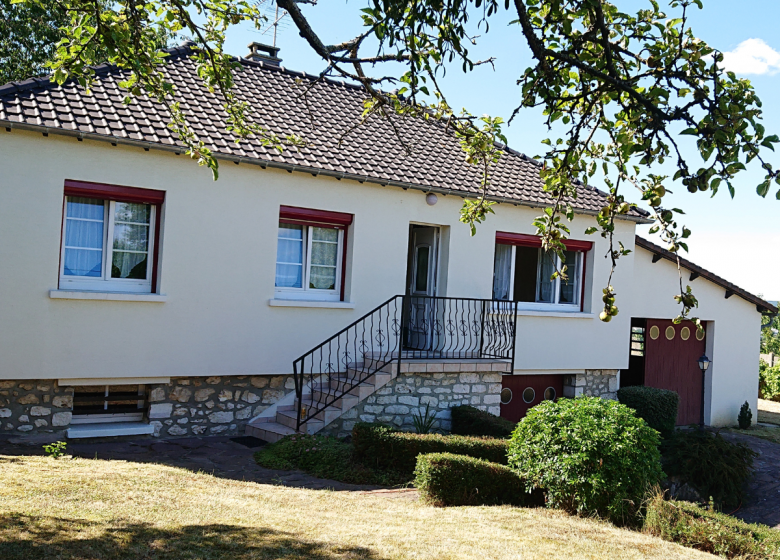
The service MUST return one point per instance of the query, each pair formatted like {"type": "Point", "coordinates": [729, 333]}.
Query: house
{"type": "Point", "coordinates": [310, 289]}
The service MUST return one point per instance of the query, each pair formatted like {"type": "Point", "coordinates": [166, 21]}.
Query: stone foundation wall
{"type": "Point", "coordinates": [32, 406]}
{"type": "Point", "coordinates": [593, 383]}
{"type": "Point", "coordinates": [184, 407]}
{"type": "Point", "coordinates": [410, 393]}
{"type": "Point", "coordinates": [212, 405]}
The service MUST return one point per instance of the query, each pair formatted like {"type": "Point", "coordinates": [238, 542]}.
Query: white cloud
{"type": "Point", "coordinates": [752, 56]}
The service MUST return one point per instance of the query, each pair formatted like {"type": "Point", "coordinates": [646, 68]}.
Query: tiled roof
{"type": "Point", "coordinates": [370, 152]}
{"type": "Point", "coordinates": [762, 305]}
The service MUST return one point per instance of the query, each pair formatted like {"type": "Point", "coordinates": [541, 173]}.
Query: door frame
{"type": "Point", "coordinates": [411, 264]}
{"type": "Point", "coordinates": [413, 339]}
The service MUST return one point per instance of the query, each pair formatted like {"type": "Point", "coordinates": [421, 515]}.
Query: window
{"type": "Point", "coordinates": [638, 341]}
{"type": "Point", "coordinates": [108, 403]}
{"type": "Point", "coordinates": [523, 274]}
{"type": "Point", "coordinates": [310, 254]}
{"type": "Point", "coordinates": [108, 238]}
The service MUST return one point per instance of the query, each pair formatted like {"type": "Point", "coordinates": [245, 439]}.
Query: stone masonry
{"type": "Point", "coordinates": [438, 386]}
{"type": "Point", "coordinates": [33, 406]}
{"type": "Point", "coordinates": [593, 383]}
{"type": "Point", "coordinates": [212, 405]}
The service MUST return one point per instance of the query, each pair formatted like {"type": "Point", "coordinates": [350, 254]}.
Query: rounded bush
{"type": "Point", "coordinates": [657, 407]}
{"type": "Point", "coordinates": [470, 421]}
{"type": "Point", "coordinates": [589, 456]}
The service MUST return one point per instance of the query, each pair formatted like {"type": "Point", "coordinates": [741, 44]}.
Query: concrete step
{"type": "Point", "coordinates": [328, 415]}
{"type": "Point", "coordinates": [289, 418]}
{"type": "Point", "coordinates": [341, 400]}
{"type": "Point", "coordinates": [268, 431]}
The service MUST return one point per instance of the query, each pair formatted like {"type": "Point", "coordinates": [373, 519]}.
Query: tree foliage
{"type": "Point", "coordinates": [623, 91]}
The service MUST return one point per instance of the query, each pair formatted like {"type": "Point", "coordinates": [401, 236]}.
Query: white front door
{"type": "Point", "coordinates": [422, 277]}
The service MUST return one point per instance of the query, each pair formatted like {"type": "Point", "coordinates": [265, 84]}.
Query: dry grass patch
{"type": "Point", "coordinates": [85, 509]}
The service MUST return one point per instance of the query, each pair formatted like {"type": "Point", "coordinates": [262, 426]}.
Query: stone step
{"type": "Point", "coordinates": [268, 431]}
{"type": "Point", "coordinates": [328, 415]}
{"type": "Point", "coordinates": [341, 400]}
{"type": "Point", "coordinates": [289, 418]}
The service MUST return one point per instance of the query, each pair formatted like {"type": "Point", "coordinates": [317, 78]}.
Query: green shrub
{"type": "Point", "coordinates": [745, 416]}
{"type": "Point", "coordinates": [657, 407]}
{"type": "Point", "coordinates": [589, 455]}
{"type": "Point", "coordinates": [769, 381]}
{"type": "Point", "coordinates": [323, 457]}
{"type": "Point", "coordinates": [689, 525]}
{"type": "Point", "coordinates": [470, 421]}
{"type": "Point", "coordinates": [715, 467]}
{"type": "Point", "coordinates": [383, 447]}
{"type": "Point", "coordinates": [445, 479]}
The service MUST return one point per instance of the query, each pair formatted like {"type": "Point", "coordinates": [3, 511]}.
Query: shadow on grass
{"type": "Point", "coordinates": [26, 537]}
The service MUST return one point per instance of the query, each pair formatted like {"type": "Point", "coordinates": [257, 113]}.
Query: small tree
{"type": "Point", "coordinates": [745, 418]}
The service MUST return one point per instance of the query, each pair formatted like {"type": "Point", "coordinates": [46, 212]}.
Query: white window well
{"type": "Point", "coordinates": [523, 274]}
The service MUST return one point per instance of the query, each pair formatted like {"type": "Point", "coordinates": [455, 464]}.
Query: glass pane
{"type": "Point", "coordinates": [322, 278]}
{"type": "Point", "coordinates": [569, 287]}
{"type": "Point", "coordinates": [324, 253]}
{"type": "Point", "coordinates": [289, 251]}
{"type": "Point", "coordinates": [502, 271]}
{"type": "Point", "coordinates": [289, 231]}
{"type": "Point", "coordinates": [289, 275]}
{"type": "Point", "coordinates": [132, 212]}
{"type": "Point", "coordinates": [128, 265]}
{"type": "Point", "coordinates": [131, 237]}
{"type": "Point", "coordinates": [325, 234]}
{"type": "Point", "coordinates": [83, 262]}
{"type": "Point", "coordinates": [79, 233]}
{"type": "Point", "coordinates": [85, 208]}
{"type": "Point", "coordinates": [421, 278]}
{"type": "Point", "coordinates": [546, 286]}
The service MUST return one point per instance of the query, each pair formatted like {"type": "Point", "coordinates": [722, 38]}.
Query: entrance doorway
{"type": "Point", "coordinates": [665, 356]}
{"type": "Point", "coordinates": [421, 282]}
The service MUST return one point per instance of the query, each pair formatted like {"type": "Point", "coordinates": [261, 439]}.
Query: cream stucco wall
{"type": "Point", "coordinates": [733, 333]}
{"type": "Point", "coordinates": [217, 269]}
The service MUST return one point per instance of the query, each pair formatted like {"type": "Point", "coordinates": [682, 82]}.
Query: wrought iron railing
{"type": "Point", "coordinates": [402, 328]}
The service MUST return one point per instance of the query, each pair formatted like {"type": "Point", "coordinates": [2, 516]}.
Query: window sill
{"type": "Point", "coordinates": [310, 303]}
{"type": "Point", "coordinates": [107, 296]}
{"type": "Point", "coordinates": [565, 314]}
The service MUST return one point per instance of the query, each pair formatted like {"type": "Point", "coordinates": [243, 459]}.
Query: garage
{"type": "Point", "coordinates": [666, 356]}
{"type": "Point", "coordinates": [521, 392]}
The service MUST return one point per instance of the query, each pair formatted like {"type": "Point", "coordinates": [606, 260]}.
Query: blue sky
{"type": "Point", "coordinates": [737, 239]}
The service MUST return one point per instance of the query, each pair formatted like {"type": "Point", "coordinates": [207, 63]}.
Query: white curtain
{"type": "Point", "coordinates": [502, 272]}
{"type": "Point", "coordinates": [84, 237]}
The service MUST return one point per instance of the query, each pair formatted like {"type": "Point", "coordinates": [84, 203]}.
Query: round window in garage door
{"type": "Point", "coordinates": [655, 332]}
{"type": "Point", "coordinates": [685, 333]}
{"type": "Point", "coordinates": [506, 395]}
{"type": "Point", "coordinates": [699, 334]}
{"type": "Point", "coordinates": [549, 394]}
{"type": "Point", "coordinates": [669, 332]}
{"type": "Point", "coordinates": [529, 395]}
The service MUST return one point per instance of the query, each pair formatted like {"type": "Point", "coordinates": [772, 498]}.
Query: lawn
{"type": "Point", "coordinates": [768, 411]}
{"type": "Point", "coordinates": [90, 509]}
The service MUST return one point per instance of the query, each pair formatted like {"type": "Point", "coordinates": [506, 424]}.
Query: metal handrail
{"type": "Point", "coordinates": [403, 327]}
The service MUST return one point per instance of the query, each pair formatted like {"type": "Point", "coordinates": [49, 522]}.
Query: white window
{"type": "Point", "coordinates": [523, 274]}
{"type": "Point", "coordinates": [308, 262]}
{"type": "Point", "coordinates": [107, 245]}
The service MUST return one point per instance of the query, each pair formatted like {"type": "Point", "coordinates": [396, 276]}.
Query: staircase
{"type": "Point", "coordinates": [350, 366]}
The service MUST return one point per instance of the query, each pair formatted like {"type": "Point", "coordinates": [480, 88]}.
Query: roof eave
{"type": "Point", "coordinates": [292, 167]}
{"type": "Point", "coordinates": [762, 306]}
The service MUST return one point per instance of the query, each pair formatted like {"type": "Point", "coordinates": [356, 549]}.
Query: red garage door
{"type": "Point", "coordinates": [521, 392]}
{"type": "Point", "coordinates": [671, 362]}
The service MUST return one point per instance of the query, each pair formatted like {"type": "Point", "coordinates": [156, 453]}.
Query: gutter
{"type": "Point", "coordinates": [315, 171]}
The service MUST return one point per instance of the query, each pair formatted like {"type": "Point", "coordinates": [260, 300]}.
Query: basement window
{"type": "Point", "coordinates": [108, 403]}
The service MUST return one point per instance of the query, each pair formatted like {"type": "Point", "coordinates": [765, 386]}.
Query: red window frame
{"type": "Point", "coordinates": [120, 193]}
{"type": "Point", "coordinates": [321, 218]}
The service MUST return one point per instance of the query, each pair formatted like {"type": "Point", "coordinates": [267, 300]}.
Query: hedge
{"type": "Point", "coordinates": [445, 479]}
{"type": "Point", "coordinates": [383, 447]}
{"type": "Point", "coordinates": [657, 407]}
{"type": "Point", "coordinates": [470, 421]}
{"type": "Point", "coordinates": [768, 381]}
{"type": "Point", "coordinates": [692, 526]}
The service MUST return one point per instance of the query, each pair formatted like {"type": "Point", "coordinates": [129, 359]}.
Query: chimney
{"type": "Point", "coordinates": [263, 53]}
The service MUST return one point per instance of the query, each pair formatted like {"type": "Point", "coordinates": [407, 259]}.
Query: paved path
{"type": "Point", "coordinates": [762, 499]}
